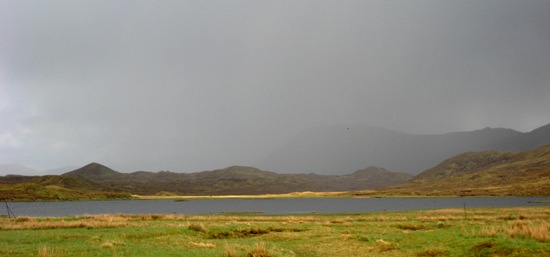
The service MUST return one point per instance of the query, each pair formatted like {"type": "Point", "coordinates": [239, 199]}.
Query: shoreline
{"type": "Point", "coordinates": [293, 195]}
{"type": "Point", "coordinates": [305, 194]}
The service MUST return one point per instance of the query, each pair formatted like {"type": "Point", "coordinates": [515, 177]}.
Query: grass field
{"type": "Point", "coordinates": [445, 232]}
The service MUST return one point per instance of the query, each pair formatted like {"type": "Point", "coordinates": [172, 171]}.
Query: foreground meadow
{"type": "Point", "coordinates": [446, 232]}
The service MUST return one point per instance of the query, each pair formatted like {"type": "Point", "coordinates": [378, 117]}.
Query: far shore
{"type": "Point", "coordinates": [306, 194]}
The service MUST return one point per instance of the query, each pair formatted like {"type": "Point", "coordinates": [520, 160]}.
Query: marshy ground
{"type": "Point", "coordinates": [445, 232]}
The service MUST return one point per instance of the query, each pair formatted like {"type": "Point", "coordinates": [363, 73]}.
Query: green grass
{"type": "Point", "coordinates": [37, 192]}
{"type": "Point", "coordinates": [448, 232]}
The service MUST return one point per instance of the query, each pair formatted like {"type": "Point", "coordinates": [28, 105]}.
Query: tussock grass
{"type": "Point", "coordinates": [198, 227]}
{"type": "Point", "coordinates": [230, 251]}
{"type": "Point", "coordinates": [249, 232]}
{"type": "Point", "coordinates": [520, 229]}
{"type": "Point", "coordinates": [383, 245]}
{"type": "Point", "coordinates": [45, 251]}
{"type": "Point", "coordinates": [259, 250]}
{"type": "Point", "coordinates": [432, 253]}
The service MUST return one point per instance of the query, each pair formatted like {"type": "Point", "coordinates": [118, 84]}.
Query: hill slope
{"type": "Point", "coordinates": [94, 172]}
{"type": "Point", "coordinates": [53, 187]}
{"type": "Point", "coordinates": [232, 180]}
{"type": "Point", "coordinates": [368, 178]}
{"type": "Point", "coordinates": [338, 149]}
{"type": "Point", "coordinates": [484, 173]}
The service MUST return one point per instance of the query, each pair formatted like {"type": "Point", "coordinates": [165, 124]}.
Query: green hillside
{"type": "Point", "coordinates": [54, 187]}
{"type": "Point", "coordinates": [37, 192]}
{"type": "Point", "coordinates": [484, 173]}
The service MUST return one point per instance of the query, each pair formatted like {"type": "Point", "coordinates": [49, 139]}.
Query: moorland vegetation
{"type": "Point", "coordinates": [444, 232]}
{"type": "Point", "coordinates": [489, 173]}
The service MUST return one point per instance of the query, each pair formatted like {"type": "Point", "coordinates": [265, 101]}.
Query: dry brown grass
{"type": "Point", "coordinates": [86, 221]}
{"type": "Point", "coordinates": [486, 215]}
{"type": "Point", "coordinates": [195, 222]}
{"type": "Point", "coordinates": [259, 250]}
{"type": "Point", "coordinates": [198, 227]}
{"type": "Point", "coordinates": [245, 218]}
{"type": "Point", "coordinates": [44, 251]}
{"type": "Point", "coordinates": [97, 221]}
{"type": "Point", "coordinates": [230, 251]}
{"type": "Point", "coordinates": [112, 243]}
{"type": "Point", "coordinates": [384, 245]}
{"type": "Point", "coordinates": [524, 229]}
{"type": "Point", "coordinates": [201, 245]}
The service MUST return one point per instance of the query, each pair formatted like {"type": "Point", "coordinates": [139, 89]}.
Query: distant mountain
{"type": "Point", "coordinates": [59, 170]}
{"type": "Point", "coordinates": [380, 176]}
{"type": "Point", "coordinates": [527, 141]}
{"type": "Point", "coordinates": [339, 149]}
{"type": "Point", "coordinates": [368, 178]}
{"type": "Point", "coordinates": [484, 173]}
{"type": "Point", "coordinates": [16, 169]}
{"type": "Point", "coordinates": [232, 180]}
{"type": "Point", "coordinates": [94, 172]}
{"type": "Point", "coordinates": [21, 170]}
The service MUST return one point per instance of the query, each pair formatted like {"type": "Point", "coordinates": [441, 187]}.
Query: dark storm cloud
{"type": "Point", "coordinates": [195, 85]}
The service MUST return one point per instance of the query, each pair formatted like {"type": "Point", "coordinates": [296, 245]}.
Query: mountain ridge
{"type": "Point", "coordinates": [233, 180]}
{"type": "Point", "coordinates": [17, 169]}
{"type": "Point", "coordinates": [484, 173]}
{"type": "Point", "coordinates": [337, 149]}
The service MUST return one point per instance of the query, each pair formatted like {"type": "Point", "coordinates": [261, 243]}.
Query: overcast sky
{"type": "Point", "coordinates": [199, 85]}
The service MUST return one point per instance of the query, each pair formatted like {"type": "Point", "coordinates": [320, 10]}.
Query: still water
{"type": "Point", "coordinates": [265, 206]}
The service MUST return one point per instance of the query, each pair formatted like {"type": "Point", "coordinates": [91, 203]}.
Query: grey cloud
{"type": "Point", "coordinates": [194, 85]}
